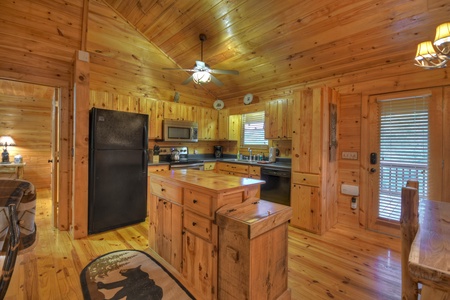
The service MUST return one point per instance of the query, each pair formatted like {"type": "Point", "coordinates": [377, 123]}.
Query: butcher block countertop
{"type": "Point", "coordinates": [207, 180]}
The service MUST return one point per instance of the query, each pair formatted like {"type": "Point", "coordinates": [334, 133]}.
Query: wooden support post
{"type": "Point", "coordinates": [409, 223]}
{"type": "Point", "coordinates": [80, 145]}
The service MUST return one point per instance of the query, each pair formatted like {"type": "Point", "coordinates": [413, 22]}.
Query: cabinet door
{"type": "Point", "coordinates": [278, 119]}
{"type": "Point", "coordinates": [177, 111]}
{"type": "Point", "coordinates": [207, 119]}
{"type": "Point", "coordinates": [271, 129]}
{"type": "Point", "coordinates": [305, 203]}
{"type": "Point", "coordinates": [165, 230]}
{"type": "Point", "coordinates": [223, 124]}
{"type": "Point", "coordinates": [307, 132]}
{"type": "Point", "coordinates": [200, 265]}
{"type": "Point", "coordinates": [155, 110]}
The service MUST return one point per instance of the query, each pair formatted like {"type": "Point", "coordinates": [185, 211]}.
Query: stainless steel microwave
{"type": "Point", "coordinates": [180, 131]}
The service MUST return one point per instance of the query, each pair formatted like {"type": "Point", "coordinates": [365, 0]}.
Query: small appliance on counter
{"type": "Point", "coordinates": [273, 154]}
{"type": "Point", "coordinates": [218, 151]}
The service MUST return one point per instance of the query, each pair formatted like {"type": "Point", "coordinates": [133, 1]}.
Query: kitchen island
{"type": "Point", "coordinates": [183, 228]}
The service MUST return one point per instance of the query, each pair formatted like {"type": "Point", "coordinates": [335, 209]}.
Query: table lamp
{"type": "Point", "coordinates": [6, 141]}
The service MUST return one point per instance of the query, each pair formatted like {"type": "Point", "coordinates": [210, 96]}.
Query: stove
{"type": "Point", "coordinates": [184, 162]}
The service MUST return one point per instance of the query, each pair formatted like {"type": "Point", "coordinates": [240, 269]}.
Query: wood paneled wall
{"type": "Point", "coordinates": [26, 115]}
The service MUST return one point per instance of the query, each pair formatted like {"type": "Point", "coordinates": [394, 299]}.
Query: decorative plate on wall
{"type": "Point", "coordinates": [218, 104]}
{"type": "Point", "coordinates": [248, 99]}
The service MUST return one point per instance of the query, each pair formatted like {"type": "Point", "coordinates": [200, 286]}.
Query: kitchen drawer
{"type": "Point", "coordinates": [198, 225]}
{"type": "Point", "coordinates": [209, 166]}
{"type": "Point", "coordinates": [158, 168]}
{"type": "Point", "coordinates": [254, 172]}
{"type": "Point", "coordinates": [199, 202]}
{"type": "Point", "coordinates": [235, 168]}
{"type": "Point", "coordinates": [166, 190]}
{"type": "Point", "coordinates": [305, 179]}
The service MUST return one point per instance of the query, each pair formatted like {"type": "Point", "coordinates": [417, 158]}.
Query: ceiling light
{"type": "Point", "coordinates": [201, 77]}
{"type": "Point", "coordinates": [427, 57]}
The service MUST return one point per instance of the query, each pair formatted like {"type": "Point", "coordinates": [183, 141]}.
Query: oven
{"type": "Point", "coordinates": [277, 187]}
{"type": "Point", "coordinates": [182, 160]}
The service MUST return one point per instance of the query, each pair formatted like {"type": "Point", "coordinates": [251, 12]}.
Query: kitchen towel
{"type": "Point", "coordinates": [130, 274]}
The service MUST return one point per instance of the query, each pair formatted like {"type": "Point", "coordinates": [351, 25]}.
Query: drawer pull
{"type": "Point", "coordinates": [194, 223]}
{"type": "Point", "coordinates": [194, 201]}
{"type": "Point", "coordinates": [163, 189]}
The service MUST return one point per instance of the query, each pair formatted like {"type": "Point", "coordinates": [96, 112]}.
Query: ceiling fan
{"type": "Point", "coordinates": [202, 73]}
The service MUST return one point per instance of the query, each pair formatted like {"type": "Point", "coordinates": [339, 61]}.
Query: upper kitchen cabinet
{"type": "Point", "coordinates": [156, 116]}
{"type": "Point", "coordinates": [178, 111]}
{"type": "Point", "coordinates": [207, 119]}
{"type": "Point", "coordinates": [223, 124]}
{"type": "Point", "coordinates": [314, 165]}
{"type": "Point", "coordinates": [278, 119]}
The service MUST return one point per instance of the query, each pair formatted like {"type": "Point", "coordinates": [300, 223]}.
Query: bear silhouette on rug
{"type": "Point", "coordinates": [137, 286]}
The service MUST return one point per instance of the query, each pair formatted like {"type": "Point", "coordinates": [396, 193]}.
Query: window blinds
{"type": "Point", "coordinates": [253, 129]}
{"type": "Point", "coordinates": [403, 150]}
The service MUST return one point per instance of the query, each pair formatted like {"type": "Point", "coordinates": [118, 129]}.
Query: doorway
{"type": "Point", "coordinates": [30, 115]}
{"type": "Point", "coordinates": [405, 142]}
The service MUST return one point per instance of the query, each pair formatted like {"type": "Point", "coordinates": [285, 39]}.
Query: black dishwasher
{"type": "Point", "coordinates": [277, 187]}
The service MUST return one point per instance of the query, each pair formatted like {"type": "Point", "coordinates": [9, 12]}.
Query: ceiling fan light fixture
{"type": "Point", "coordinates": [201, 77]}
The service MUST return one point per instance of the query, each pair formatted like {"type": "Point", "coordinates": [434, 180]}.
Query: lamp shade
{"type": "Point", "coordinates": [6, 140]}
{"type": "Point", "coordinates": [442, 39]}
{"type": "Point", "coordinates": [427, 57]}
{"type": "Point", "coordinates": [201, 77]}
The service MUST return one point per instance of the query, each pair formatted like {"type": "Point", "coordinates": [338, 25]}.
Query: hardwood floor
{"type": "Point", "coordinates": [341, 264]}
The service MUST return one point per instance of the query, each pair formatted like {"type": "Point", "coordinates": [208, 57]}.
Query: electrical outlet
{"type": "Point", "coordinates": [350, 155]}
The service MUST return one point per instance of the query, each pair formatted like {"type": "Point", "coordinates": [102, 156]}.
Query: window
{"type": "Point", "coordinates": [403, 151]}
{"type": "Point", "coordinates": [253, 129]}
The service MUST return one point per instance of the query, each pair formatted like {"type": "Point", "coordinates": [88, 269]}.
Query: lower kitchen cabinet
{"type": "Point", "coordinates": [165, 230]}
{"type": "Point", "coordinates": [157, 168]}
{"type": "Point", "coordinates": [200, 264]}
{"type": "Point", "coordinates": [305, 201]}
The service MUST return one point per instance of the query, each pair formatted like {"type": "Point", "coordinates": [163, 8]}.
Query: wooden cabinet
{"type": "Point", "coordinates": [182, 221]}
{"type": "Point", "coordinates": [207, 119]}
{"type": "Point", "coordinates": [155, 116]}
{"type": "Point", "coordinates": [253, 261]}
{"type": "Point", "coordinates": [178, 111]}
{"type": "Point", "coordinates": [223, 124]}
{"type": "Point", "coordinates": [278, 119]}
{"type": "Point", "coordinates": [151, 169]}
{"type": "Point", "coordinates": [254, 172]}
{"type": "Point", "coordinates": [12, 170]}
{"type": "Point", "coordinates": [314, 170]}
{"type": "Point", "coordinates": [209, 166]}
{"type": "Point", "coordinates": [165, 230]}
{"type": "Point", "coordinates": [232, 169]}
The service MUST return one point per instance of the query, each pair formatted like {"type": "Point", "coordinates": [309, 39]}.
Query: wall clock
{"type": "Point", "coordinates": [248, 99]}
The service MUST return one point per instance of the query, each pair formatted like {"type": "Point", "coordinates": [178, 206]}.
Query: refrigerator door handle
{"type": "Point", "coordinates": [145, 160]}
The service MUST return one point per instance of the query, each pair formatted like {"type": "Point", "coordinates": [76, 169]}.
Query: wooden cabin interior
{"type": "Point", "coordinates": [60, 58]}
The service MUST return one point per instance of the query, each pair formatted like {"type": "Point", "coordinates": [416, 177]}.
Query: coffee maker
{"type": "Point", "coordinates": [218, 151]}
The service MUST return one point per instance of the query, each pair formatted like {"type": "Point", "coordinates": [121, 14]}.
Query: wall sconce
{"type": "Point", "coordinates": [6, 141]}
{"type": "Point", "coordinates": [427, 57]}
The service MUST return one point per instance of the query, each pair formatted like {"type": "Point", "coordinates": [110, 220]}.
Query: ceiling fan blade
{"type": "Point", "coordinates": [230, 72]}
{"type": "Point", "coordinates": [216, 81]}
{"type": "Point", "coordinates": [178, 69]}
{"type": "Point", "coordinates": [188, 80]}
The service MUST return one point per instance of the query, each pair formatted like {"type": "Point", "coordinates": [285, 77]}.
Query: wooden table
{"type": "Point", "coordinates": [12, 170]}
{"type": "Point", "coordinates": [429, 259]}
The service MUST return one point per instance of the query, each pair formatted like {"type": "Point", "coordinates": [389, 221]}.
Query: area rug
{"type": "Point", "coordinates": [132, 275]}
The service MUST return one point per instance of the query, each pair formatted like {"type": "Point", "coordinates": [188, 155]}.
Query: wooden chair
{"type": "Point", "coordinates": [409, 224]}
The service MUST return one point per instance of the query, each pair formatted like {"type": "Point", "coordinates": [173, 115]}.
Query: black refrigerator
{"type": "Point", "coordinates": [118, 163]}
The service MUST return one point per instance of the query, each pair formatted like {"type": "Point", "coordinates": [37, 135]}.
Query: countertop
{"type": "Point", "coordinates": [283, 164]}
{"type": "Point", "coordinates": [206, 180]}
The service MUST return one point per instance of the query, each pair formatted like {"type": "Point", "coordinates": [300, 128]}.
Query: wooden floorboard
{"type": "Point", "coordinates": [343, 263]}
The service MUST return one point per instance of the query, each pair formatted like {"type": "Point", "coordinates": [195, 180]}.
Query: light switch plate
{"type": "Point", "coordinates": [350, 155]}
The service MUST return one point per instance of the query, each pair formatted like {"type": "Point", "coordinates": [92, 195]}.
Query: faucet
{"type": "Point", "coordinates": [250, 156]}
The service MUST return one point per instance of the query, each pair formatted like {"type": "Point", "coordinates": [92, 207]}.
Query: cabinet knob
{"type": "Point", "coordinates": [163, 189]}
{"type": "Point", "coordinates": [194, 201]}
{"type": "Point", "coordinates": [194, 223]}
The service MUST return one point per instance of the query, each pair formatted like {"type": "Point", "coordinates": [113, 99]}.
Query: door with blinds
{"type": "Point", "coordinates": [405, 143]}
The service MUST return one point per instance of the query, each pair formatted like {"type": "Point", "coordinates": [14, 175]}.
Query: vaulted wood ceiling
{"type": "Point", "coordinates": [276, 44]}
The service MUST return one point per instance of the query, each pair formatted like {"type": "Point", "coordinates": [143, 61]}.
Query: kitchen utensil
{"type": "Point", "coordinates": [273, 154]}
